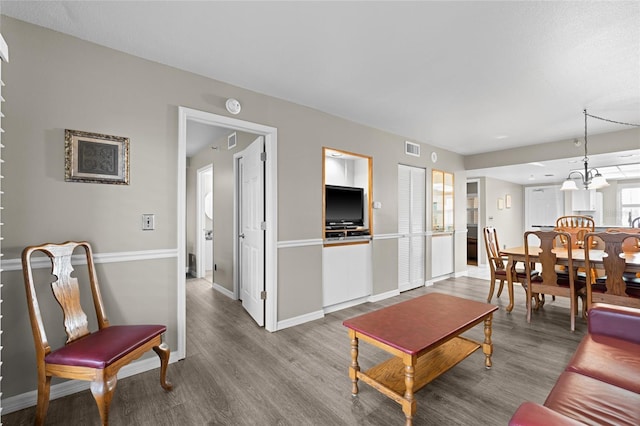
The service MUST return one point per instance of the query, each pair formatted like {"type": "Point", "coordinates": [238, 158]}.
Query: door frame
{"type": "Point", "coordinates": [200, 241]}
{"type": "Point", "coordinates": [271, 211]}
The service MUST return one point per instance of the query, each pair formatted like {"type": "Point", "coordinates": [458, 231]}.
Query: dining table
{"type": "Point", "coordinates": [517, 254]}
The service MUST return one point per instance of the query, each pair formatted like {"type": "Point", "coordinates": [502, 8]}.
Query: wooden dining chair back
{"type": "Point", "coordinates": [635, 223]}
{"type": "Point", "coordinates": [576, 221]}
{"type": "Point", "coordinates": [548, 281]}
{"type": "Point", "coordinates": [95, 356]}
{"type": "Point", "coordinates": [497, 264]}
{"type": "Point", "coordinates": [578, 226]}
{"type": "Point", "coordinates": [617, 286]}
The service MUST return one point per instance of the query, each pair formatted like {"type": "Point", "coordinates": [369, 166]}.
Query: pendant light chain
{"type": "Point", "coordinates": [610, 121]}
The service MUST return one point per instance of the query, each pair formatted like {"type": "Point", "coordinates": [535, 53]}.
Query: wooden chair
{"type": "Point", "coordinates": [497, 263]}
{"type": "Point", "coordinates": [548, 281]}
{"type": "Point", "coordinates": [616, 286]}
{"type": "Point", "coordinates": [576, 221]}
{"type": "Point", "coordinates": [635, 223]}
{"type": "Point", "coordinates": [578, 227]}
{"type": "Point", "coordinates": [94, 356]}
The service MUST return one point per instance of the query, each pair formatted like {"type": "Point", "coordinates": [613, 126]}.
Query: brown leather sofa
{"type": "Point", "coordinates": [601, 384]}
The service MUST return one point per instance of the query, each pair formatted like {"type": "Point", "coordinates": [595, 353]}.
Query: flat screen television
{"type": "Point", "coordinates": [344, 206]}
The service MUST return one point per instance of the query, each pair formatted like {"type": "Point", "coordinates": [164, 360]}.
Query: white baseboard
{"type": "Point", "coordinates": [382, 296]}
{"type": "Point", "coordinates": [344, 305]}
{"type": "Point", "coordinates": [224, 291]}
{"type": "Point", "coordinates": [29, 399]}
{"type": "Point", "coordinates": [291, 322]}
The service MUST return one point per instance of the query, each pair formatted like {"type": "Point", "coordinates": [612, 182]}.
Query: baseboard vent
{"type": "Point", "coordinates": [411, 148]}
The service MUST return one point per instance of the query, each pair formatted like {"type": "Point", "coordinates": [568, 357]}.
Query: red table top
{"type": "Point", "coordinates": [417, 324]}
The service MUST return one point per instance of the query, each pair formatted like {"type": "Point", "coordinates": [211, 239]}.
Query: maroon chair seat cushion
{"type": "Point", "coordinates": [632, 282]}
{"type": "Point", "coordinates": [593, 402]}
{"type": "Point", "coordinates": [102, 348]}
{"type": "Point", "coordinates": [520, 273]}
{"type": "Point", "coordinates": [608, 359]}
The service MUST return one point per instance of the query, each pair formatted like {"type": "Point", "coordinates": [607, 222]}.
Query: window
{"type": "Point", "coordinates": [442, 199]}
{"type": "Point", "coordinates": [629, 203]}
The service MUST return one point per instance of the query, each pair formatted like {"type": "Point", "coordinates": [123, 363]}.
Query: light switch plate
{"type": "Point", "coordinates": [148, 222]}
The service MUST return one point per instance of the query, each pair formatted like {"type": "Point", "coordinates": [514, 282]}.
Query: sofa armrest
{"type": "Point", "coordinates": [532, 414]}
{"type": "Point", "coordinates": [615, 321]}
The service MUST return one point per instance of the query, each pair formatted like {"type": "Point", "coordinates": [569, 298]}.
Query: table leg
{"type": "Point", "coordinates": [510, 272]}
{"type": "Point", "coordinates": [354, 368]}
{"type": "Point", "coordinates": [409, 403]}
{"type": "Point", "coordinates": [487, 346]}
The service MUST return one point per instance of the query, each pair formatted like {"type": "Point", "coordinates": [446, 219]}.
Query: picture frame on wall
{"type": "Point", "coordinates": [507, 201]}
{"type": "Point", "coordinates": [500, 203]}
{"type": "Point", "coordinates": [96, 158]}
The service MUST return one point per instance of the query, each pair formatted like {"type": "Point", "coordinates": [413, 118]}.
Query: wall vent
{"type": "Point", "coordinates": [411, 148]}
{"type": "Point", "coordinates": [231, 140]}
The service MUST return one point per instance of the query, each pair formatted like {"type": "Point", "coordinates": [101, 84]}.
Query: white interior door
{"type": "Point", "coordinates": [251, 227]}
{"type": "Point", "coordinates": [411, 226]}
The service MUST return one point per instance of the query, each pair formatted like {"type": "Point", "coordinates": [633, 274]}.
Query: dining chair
{"type": "Point", "coordinates": [96, 355]}
{"type": "Point", "coordinates": [548, 281]}
{"type": "Point", "coordinates": [498, 264]}
{"type": "Point", "coordinates": [576, 221]}
{"type": "Point", "coordinates": [635, 223]}
{"type": "Point", "coordinates": [617, 286]}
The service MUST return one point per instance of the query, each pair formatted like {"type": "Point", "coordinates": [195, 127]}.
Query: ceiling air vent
{"type": "Point", "coordinates": [231, 140]}
{"type": "Point", "coordinates": [411, 148]}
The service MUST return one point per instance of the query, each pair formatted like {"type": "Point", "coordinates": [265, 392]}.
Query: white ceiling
{"type": "Point", "coordinates": [470, 77]}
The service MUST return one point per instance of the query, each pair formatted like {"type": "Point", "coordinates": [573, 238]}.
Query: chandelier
{"type": "Point", "coordinates": [591, 178]}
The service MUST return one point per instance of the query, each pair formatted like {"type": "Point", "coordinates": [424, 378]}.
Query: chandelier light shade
{"type": "Point", "coordinates": [591, 178]}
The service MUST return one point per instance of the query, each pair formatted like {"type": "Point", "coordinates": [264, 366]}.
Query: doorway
{"type": "Point", "coordinates": [204, 223]}
{"type": "Point", "coordinates": [186, 115]}
{"type": "Point", "coordinates": [474, 243]}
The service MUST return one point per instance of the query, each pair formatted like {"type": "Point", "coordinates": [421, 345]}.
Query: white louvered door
{"type": "Point", "coordinates": [4, 57]}
{"type": "Point", "coordinates": [411, 226]}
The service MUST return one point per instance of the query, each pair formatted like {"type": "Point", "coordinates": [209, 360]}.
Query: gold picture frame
{"type": "Point", "coordinates": [96, 158]}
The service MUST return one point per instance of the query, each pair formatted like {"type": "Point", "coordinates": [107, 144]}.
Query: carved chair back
{"type": "Point", "coordinates": [65, 289]}
{"type": "Point", "coordinates": [549, 281]}
{"type": "Point", "coordinates": [493, 248]}
{"type": "Point", "coordinates": [614, 263]}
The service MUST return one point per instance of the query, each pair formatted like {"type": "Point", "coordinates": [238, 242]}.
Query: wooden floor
{"type": "Point", "coordinates": [236, 373]}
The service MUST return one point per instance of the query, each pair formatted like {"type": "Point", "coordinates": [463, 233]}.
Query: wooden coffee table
{"type": "Point", "coordinates": [423, 335]}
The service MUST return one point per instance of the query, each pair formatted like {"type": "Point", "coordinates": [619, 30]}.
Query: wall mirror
{"type": "Point", "coordinates": [442, 200]}
{"type": "Point", "coordinates": [346, 196]}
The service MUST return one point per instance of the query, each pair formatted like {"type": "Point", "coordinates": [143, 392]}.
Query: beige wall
{"type": "Point", "coordinates": [509, 223]}
{"type": "Point", "coordinates": [56, 82]}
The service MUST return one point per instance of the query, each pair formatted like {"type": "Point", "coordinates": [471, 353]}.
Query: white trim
{"type": "Point", "coordinates": [291, 322]}
{"type": "Point", "coordinates": [69, 387]}
{"type": "Point", "coordinates": [388, 236]}
{"type": "Point", "coordinates": [344, 305]}
{"type": "Point", "coordinates": [382, 296]}
{"type": "Point", "coordinates": [300, 243]}
{"type": "Point", "coordinates": [224, 291]}
{"type": "Point", "coordinates": [181, 199]}
{"type": "Point", "coordinates": [115, 257]}
{"type": "Point", "coordinates": [271, 209]}
{"type": "Point", "coordinates": [4, 49]}
{"type": "Point", "coordinates": [434, 280]}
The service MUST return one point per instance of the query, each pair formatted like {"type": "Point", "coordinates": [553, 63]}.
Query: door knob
{"type": "Point", "coordinates": [241, 236]}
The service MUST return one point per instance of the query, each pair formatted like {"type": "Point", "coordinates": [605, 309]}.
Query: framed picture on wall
{"type": "Point", "coordinates": [96, 158]}
{"type": "Point", "coordinates": [507, 201]}
{"type": "Point", "coordinates": [500, 203]}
